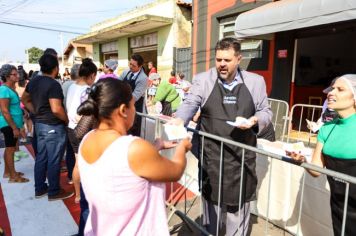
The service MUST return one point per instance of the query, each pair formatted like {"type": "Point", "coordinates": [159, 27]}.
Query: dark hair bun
{"type": "Point", "coordinates": [87, 67]}
{"type": "Point", "coordinates": [87, 61]}
{"type": "Point", "coordinates": [88, 108]}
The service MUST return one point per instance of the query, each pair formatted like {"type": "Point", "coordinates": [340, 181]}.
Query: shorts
{"type": "Point", "coordinates": [73, 140]}
{"type": "Point", "coordinates": [10, 140]}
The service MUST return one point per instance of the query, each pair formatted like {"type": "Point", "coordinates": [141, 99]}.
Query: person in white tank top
{"type": "Point", "coordinates": [123, 176]}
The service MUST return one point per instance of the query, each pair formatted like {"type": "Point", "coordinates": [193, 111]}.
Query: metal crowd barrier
{"type": "Point", "coordinates": [157, 132]}
{"type": "Point", "coordinates": [297, 127]}
{"type": "Point", "coordinates": [280, 111]}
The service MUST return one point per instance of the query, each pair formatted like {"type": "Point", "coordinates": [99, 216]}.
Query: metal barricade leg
{"type": "Point", "coordinates": [220, 183]}
{"type": "Point", "coordinates": [241, 183]}
{"type": "Point", "coordinates": [301, 202]}
{"type": "Point", "coordinates": [269, 196]}
{"type": "Point", "coordinates": [345, 209]}
{"type": "Point", "coordinates": [201, 178]}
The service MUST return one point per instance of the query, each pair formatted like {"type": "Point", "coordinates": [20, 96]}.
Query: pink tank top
{"type": "Point", "coordinates": [120, 202]}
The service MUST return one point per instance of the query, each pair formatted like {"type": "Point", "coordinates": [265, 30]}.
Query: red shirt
{"type": "Point", "coordinates": [172, 80]}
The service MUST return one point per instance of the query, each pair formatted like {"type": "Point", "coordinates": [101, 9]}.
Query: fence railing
{"type": "Point", "coordinates": [297, 127]}
{"type": "Point", "coordinates": [280, 111]}
{"type": "Point", "coordinates": [154, 125]}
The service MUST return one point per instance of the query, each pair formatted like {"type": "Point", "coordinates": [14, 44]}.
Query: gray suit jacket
{"type": "Point", "coordinates": [141, 83]}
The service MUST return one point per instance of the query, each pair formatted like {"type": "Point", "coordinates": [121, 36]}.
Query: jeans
{"type": "Point", "coordinates": [51, 141]}
{"type": "Point", "coordinates": [70, 159]}
{"type": "Point", "coordinates": [84, 212]}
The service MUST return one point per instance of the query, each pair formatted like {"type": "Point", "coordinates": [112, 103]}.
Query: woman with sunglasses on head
{"type": "Point", "coordinates": [75, 96]}
{"type": "Point", "coordinates": [11, 121]}
{"type": "Point", "coordinates": [121, 174]}
{"type": "Point", "coordinates": [336, 150]}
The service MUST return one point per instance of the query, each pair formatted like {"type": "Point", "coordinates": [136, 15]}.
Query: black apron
{"type": "Point", "coordinates": [224, 105]}
{"type": "Point", "coordinates": [337, 195]}
{"type": "Point", "coordinates": [131, 80]}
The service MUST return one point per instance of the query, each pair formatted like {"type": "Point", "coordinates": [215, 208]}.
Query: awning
{"type": "Point", "coordinates": [292, 14]}
{"type": "Point", "coordinates": [132, 26]}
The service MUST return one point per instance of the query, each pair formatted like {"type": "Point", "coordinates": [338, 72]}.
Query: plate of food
{"type": "Point", "coordinates": [299, 148]}
{"type": "Point", "coordinates": [175, 132]}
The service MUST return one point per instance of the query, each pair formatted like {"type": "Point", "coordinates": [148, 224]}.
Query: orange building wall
{"type": "Point", "coordinates": [194, 41]}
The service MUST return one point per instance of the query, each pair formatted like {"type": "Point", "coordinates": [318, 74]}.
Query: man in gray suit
{"type": "Point", "coordinates": [136, 77]}
{"type": "Point", "coordinates": [227, 93]}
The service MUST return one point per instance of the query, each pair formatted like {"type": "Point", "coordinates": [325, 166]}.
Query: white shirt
{"type": "Point", "coordinates": [75, 96]}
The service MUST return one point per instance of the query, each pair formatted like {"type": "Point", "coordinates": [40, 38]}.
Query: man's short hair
{"type": "Point", "coordinates": [138, 58]}
{"type": "Point", "coordinates": [48, 63]}
{"type": "Point", "coordinates": [227, 43]}
{"type": "Point", "coordinates": [50, 51]}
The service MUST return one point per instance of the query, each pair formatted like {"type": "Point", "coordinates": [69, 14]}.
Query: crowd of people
{"type": "Point", "coordinates": [118, 177]}
{"type": "Point", "coordinates": [63, 113]}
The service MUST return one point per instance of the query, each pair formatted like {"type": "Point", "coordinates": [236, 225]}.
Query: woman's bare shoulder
{"type": "Point", "coordinates": [94, 145]}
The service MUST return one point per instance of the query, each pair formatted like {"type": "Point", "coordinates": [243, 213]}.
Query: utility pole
{"type": "Point", "coordinates": [27, 57]}
{"type": "Point", "coordinates": [62, 52]}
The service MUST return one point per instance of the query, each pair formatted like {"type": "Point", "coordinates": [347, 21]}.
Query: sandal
{"type": "Point", "coordinates": [19, 179]}
{"type": "Point", "coordinates": [17, 173]}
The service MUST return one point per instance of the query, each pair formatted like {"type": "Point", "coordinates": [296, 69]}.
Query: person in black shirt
{"type": "Point", "coordinates": [43, 97]}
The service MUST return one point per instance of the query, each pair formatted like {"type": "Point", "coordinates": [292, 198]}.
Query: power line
{"type": "Point", "coordinates": [41, 24]}
{"type": "Point", "coordinates": [72, 12]}
{"type": "Point", "coordinates": [23, 2]}
{"type": "Point", "coordinates": [38, 27]}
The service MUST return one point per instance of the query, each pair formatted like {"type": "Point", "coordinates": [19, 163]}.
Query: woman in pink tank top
{"type": "Point", "coordinates": [123, 175]}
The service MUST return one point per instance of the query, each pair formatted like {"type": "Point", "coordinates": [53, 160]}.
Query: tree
{"type": "Point", "coordinates": [34, 54]}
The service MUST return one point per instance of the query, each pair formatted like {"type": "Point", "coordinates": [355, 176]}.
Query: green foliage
{"type": "Point", "coordinates": [34, 54]}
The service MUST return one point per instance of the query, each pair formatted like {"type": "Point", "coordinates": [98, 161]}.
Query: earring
{"type": "Point", "coordinates": [124, 115]}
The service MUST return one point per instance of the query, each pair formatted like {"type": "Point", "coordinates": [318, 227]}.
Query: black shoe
{"type": "Point", "coordinates": [61, 195]}
{"type": "Point", "coordinates": [41, 193]}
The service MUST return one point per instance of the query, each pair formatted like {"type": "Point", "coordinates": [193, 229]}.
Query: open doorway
{"type": "Point", "coordinates": [319, 60]}
{"type": "Point", "coordinates": [148, 54]}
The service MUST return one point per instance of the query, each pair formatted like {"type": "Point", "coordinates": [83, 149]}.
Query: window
{"type": "Point", "coordinates": [109, 47]}
{"type": "Point", "coordinates": [144, 40]}
{"type": "Point", "coordinates": [250, 48]}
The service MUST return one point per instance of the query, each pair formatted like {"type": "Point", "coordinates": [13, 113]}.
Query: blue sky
{"type": "Point", "coordinates": [70, 15]}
